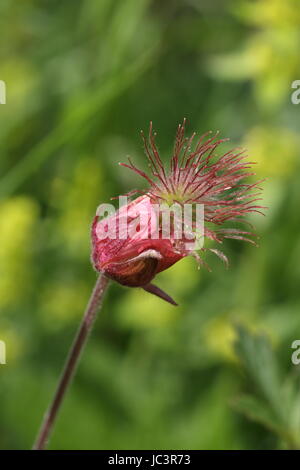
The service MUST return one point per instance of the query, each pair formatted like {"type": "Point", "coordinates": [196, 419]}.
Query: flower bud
{"type": "Point", "coordinates": [126, 246]}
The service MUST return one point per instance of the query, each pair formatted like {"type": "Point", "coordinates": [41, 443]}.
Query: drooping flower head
{"type": "Point", "coordinates": [196, 177]}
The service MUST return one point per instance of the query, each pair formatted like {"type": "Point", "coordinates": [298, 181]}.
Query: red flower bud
{"type": "Point", "coordinates": [131, 247]}
{"type": "Point", "coordinates": [129, 255]}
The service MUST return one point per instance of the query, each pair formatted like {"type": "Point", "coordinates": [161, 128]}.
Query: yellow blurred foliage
{"type": "Point", "coordinates": [182, 276]}
{"type": "Point", "coordinates": [269, 56]}
{"type": "Point", "coordinates": [14, 345]}
{"type": "Point", "coordinates": [62, 302]}
{"type": "Point", "coordinates": [20, 79]}
{"type": "Point", "coordinates": [220, 333]}
{"type": "Point", "coordinates": [139, 309]}
{"type": "Point", "coordinates": [275, 150]}
{"type": "Point", "coordinates": [77, 201]}
{"type": "Point", "coordinates": [270, 13]}
{"type": "Point", "coordinates": [143, 310]}
{"type": "Point", "coordinates": [220, 336]}
{"type": "Point", "coordinates": [18, 217]}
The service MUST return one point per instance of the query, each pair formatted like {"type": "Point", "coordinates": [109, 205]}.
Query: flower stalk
{"type": "Point", "coordinates": [72, 361]}
{"type": "Point", "coordinates": [133, 245]}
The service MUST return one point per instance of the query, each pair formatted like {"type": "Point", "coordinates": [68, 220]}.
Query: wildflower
{"type": "Point", "coordinates": [139, 250]}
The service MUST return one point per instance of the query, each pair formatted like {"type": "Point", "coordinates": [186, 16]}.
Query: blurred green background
{"type": "Point", "coordinates": [83, 77]}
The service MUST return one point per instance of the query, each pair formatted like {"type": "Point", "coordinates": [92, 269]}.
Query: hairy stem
{"type": "Point", "coordinates": [72, 361]}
